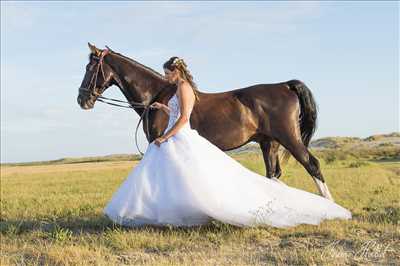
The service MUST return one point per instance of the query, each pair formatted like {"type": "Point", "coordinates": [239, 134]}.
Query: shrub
{"type": "Point", "coordinates": [358, 164]}
{"type": "Point", "coordinates": [330, 158]}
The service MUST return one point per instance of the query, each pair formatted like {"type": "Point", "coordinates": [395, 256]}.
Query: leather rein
{"type": "Point", "coordinates": [115, 102]}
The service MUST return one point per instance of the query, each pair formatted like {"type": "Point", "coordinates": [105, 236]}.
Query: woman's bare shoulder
{"type": "Point", "coordinates": [184, 87]}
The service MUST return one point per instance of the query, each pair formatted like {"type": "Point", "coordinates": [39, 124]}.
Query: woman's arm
{"type": "Point", "coordinates": [186, 100]}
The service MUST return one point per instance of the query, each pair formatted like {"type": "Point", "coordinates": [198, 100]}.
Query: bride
{"type": "Point", "coordinates": [185, 180]}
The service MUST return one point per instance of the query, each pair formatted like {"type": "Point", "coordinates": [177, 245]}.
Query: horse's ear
{"type": "Point", "coordinates": [109, 49]}
{"type": "Point", "coordinates": [94, 49]}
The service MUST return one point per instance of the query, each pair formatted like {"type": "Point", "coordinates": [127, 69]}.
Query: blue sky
{"type": "Point", "coordinates": [346, 52]}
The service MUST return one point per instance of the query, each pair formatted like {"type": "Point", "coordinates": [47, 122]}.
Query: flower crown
{"type": "Point", "coordinates": [178, 61]}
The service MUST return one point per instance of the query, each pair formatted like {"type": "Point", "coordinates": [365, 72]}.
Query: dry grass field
{"type": "Point", "coordinates": [51, 214]}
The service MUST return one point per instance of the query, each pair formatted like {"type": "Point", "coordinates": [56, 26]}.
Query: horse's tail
{"type": "Point", "coordinates": [308, 113]}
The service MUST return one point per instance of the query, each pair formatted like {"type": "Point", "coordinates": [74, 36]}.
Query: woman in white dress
{"type": "Point", "coordinates": [185, 180]}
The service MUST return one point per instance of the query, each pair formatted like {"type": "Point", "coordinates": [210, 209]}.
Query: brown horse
{"type": "Point", "coordinates": [271, 114]}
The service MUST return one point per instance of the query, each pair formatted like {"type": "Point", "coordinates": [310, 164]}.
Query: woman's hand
{"type": "Point", "coordinates": [156, 105]}
{"type": "Point", "coordinates": [159, 140]}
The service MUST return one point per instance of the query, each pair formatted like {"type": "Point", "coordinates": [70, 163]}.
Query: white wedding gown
{"type": "Point", "coordinates": [188, 180]}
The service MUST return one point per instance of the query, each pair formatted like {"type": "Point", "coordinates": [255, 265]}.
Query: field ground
{"type": "Point", "coordinates": [51, 215]}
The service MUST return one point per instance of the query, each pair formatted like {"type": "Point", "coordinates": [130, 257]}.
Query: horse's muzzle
{"type": "Point", "coordinates": [85, 100]}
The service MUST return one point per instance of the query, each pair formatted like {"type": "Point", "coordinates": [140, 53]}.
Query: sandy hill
{"type": "Point", "coordinates": [386, 144]}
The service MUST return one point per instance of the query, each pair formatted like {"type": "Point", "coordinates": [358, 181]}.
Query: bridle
{"type": "Point", "coordinates": [91, 89]}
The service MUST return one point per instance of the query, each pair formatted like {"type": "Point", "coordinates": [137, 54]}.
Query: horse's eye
{"type": "Point", "coordinates": [89, 67]}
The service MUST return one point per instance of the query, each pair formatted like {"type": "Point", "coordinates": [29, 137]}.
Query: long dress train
{"type": "Point", "coordinates": [188, 180]}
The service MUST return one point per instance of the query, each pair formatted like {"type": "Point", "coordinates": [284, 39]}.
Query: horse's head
{"type": "Point", "coordinates": [98, 77]}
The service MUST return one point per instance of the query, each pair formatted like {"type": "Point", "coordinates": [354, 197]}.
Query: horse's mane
{"type": "Point", "coordinates": [137, 64]}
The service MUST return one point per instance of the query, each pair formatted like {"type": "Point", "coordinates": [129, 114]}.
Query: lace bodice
{"type": "Point", "coordinates": [175, 112]}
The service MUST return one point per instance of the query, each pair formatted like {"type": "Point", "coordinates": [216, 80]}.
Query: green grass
{"type": "Point", "coordinates": [52, 215]}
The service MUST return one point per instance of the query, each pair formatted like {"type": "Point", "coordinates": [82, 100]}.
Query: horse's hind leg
{"type": "Point", "coordinates": [271, 159]}
{"type": "Point", "coordinates": [293, 143]}
{"type": "Point", "coordinates": [311, 164]}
